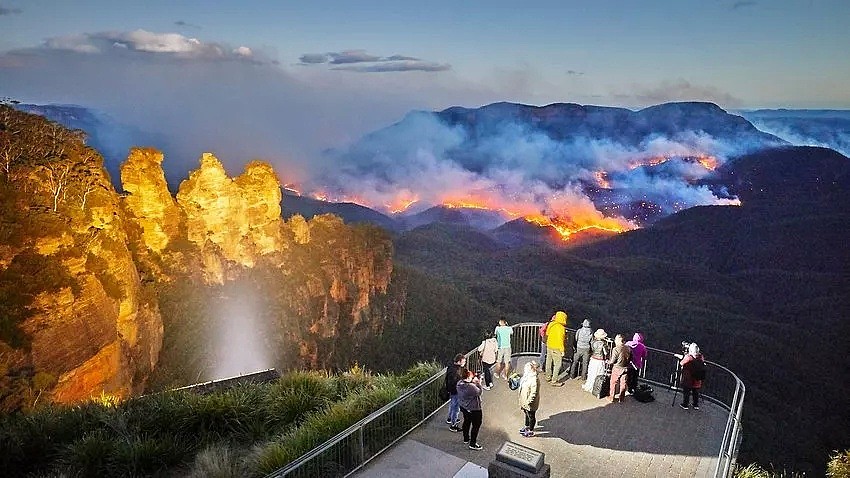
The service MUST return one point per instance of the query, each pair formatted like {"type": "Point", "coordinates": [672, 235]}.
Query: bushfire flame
{"type": "Point", "coordinates": [568, 229]}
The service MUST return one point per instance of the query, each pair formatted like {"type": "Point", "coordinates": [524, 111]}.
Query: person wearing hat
{"type": "Point", "coordinates": [598, 355]}
{"type": "Point", "coordinates": [581, 356]}
{"type": "Point", "coordinates": [693, 374]}
{"type": "Point", "coordinates": [529, 397]}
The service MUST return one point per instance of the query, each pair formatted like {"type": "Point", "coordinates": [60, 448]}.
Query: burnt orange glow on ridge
{"type": "Point", "coordinates": [401, 204]}
{"type": "Point", "coordinates": [567, 229]}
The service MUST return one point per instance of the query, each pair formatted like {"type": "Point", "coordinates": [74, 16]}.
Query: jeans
{"type": "Point", "coordinates": [686, 391]}
{"type": "Point", "coordinates": [454, 409]}
{"type": "Point", "coordinates": [488, 374]}
{"type": "Point", "coordinates": [553, 364]}
{"type": "Point", "coordinates": [581, 357]}
{"type": "Point", "coordinates": [530, 419]}
{"type": "Point", "coordinates": [541, 360]}
{"type": "Point", "coordinates": [471, 418]}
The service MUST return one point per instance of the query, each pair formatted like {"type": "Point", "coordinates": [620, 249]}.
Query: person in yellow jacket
{"type": "Point", "coordinates": [556, 339]}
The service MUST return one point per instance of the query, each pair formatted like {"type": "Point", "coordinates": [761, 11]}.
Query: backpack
{"type": "Point", "coordinates": [513, 381]}
{"type": "Point", "coordinates": [643, 393]}
{"type": "Point", "coordinates": [698, 370]}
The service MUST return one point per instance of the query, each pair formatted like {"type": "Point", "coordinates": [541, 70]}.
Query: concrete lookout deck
{"type": "Point", "coordinates": [580, 435]}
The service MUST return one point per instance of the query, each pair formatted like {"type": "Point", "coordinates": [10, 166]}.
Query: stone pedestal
{"type": "Point", "coordinates": [514, 461]}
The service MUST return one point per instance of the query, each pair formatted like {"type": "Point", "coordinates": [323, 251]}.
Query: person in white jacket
{"type": "Point", "coordinates": [529, 397]}
{"type": "Point", "coordinates": [488, 349]}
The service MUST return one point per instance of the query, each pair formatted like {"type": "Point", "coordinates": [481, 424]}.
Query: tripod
{"type": "Point", "coordinates": [675, 377]}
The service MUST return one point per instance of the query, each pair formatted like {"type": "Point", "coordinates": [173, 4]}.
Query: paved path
{"type": "Point", "coordinates": [580, 435]}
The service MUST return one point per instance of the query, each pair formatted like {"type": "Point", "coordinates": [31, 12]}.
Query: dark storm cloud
{"type": "Point", "coordinates": [313, 58]}
{"type": "Point", "coordinates": [352, 56]}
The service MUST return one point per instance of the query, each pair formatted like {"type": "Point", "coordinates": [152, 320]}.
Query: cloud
{"type": "Point", "coordinates": [679, 90]}
{"type": "Point", "coordinates": [574, 72]}
{"type": "Point", "coordinates": [201, 95]}
{"type": "Point", "coordinates": [140, 41]}
{"type": "Point", "coordinates": [352, 56]}
{"type": "Point", "coordinates": [181, 23]}
{"type": "Point", "coordinates": [9, 11]}
{"type": "Point", "coordinates": [362, 62]}
{"type": "Point", "coordinates": [390, 66]}
{"type": "Point", "coordinates": [743, 3]}
{"type": "Point", "coordinates": [314, 58]}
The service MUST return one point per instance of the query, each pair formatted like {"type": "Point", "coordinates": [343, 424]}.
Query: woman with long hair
{"type": "Point", "coordinates": [469, 396]}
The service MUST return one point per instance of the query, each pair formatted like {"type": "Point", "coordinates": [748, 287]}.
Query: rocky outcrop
{"type": "Point", "coordinates": [78, 326]}
{"type": "Point", "coordinates": [148, 202]}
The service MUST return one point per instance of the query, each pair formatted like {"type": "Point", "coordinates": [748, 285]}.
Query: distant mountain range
{"type": "Point", "coordinates": [637, 192]}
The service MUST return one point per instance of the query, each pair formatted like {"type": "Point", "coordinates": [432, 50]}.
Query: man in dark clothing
{"type": "Point", "coordinates": [452, 377]}
{"type": "Point", "coordinates": [581, 357]}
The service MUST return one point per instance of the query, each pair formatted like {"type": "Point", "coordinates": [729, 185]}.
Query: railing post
{"type": "Point", "coordinates": [362, 446]}
{"type": "Point", "coordinates": [422, 402]}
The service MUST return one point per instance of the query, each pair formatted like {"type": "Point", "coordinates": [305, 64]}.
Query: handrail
{"type": "Point", "coordinates": [424, 397]}
{"type": "Point", "coordinates": [726, 390]}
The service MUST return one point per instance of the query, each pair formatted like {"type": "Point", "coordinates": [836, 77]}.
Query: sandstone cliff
{"type": "Point", "coordinates": [76, 324]}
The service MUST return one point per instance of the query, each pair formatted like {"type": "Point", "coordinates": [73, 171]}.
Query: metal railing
{"type": "Point", "coordinates": [723, 387]}
{"type": "Point", "coordinates": [352, 448]}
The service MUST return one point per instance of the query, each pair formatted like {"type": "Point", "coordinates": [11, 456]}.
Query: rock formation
{"type": "Point", "coordinates": [75, 323]}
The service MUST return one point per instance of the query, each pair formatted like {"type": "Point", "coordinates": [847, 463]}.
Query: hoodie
{"type": "Point", "coordinates": [638, 349]}
{"type": "Point", "coordinates": [469, 395]}
{"type": "Point", "coordinates": [584, 335]}
{"type": "Point", "coordinates": [556, 333]}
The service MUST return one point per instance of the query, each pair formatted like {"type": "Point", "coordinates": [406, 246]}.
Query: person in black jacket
{"type": "Point", "coordinates": [452, 377]}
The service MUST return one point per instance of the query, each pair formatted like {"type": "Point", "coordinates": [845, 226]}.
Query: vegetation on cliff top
{"type": "Point", "coordinates": [248, 430]}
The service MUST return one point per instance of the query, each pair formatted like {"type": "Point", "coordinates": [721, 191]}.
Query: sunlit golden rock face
{"type": "Point", "coordinates": [68, 281]}
{"type": "Point", "coordinates": [148, 202]}
{"type": "Point", "coordinates": [238, 219]}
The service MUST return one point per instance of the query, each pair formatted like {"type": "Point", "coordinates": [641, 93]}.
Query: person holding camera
{"type": "Point", "coordinates": [488, 348]}
{"type": "Point", "coordinates": [469, 393]}
{"type": "Point", "coordinates": [693, 374]}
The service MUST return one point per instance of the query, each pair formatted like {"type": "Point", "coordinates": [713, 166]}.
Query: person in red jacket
{"type": "Point", "coordinates": [693, 374]}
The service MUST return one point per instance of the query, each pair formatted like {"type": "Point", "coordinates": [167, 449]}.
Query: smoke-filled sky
{"type": "Point", "coordinates": [283, 81]}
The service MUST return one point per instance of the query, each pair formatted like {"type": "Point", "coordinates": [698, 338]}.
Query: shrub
{"type": "Point", "coordinates": [839, 465]}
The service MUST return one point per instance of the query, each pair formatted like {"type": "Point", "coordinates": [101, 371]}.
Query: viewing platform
{"type": "Point", "coordinates": [580, 434]}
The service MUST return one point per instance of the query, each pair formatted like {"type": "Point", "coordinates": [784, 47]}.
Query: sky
{"type": "Point", "coordinates": [286, 80]}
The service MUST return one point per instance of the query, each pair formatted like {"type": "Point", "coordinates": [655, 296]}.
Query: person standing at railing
{"type": "Point", "coordinates": [503, 334]}
{"type": "Point", "coordinates": [581, 357]}
{"type": "Point", "coordinates": [620, 357]}
{"type": "Point", "coordinates": [598, 355]}
{"type": "Point", "coordinates": [452, 377]}
{"type": "Point", "coordinates": [693, 374]}
{"type": "Point", "coordinates": [469, 392]}
{"type": "Point", "coordinates": [529, 397]}
{"type": "Point", "coordinates": [556, 340]}
{"type": "Point", "coordinates": [638, 355]}
{"type": "Point", "coordinates": [488, 348]}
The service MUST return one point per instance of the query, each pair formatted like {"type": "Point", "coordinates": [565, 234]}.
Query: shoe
{"type": "Point", "coordinates": [684, 407]}
{"type": "Point", "coordinates": [449, 421]}
{"type": "Point", "coordinates": [486, 387]}
{"type": "Point", "coordinates": [696, 407]}
{"type": "Point", "coordinates": [556, 384]}
{"type": "Point", "coordinates": [454, 428]}
{"type": "Point", "coordinates": [466, 440]}
{"type": "Point", "coordinates": [528, 433]}
{"type": "Point", "coordinates": [475, 446]}
{"type": "Point", "coordinates": [523, 429]}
